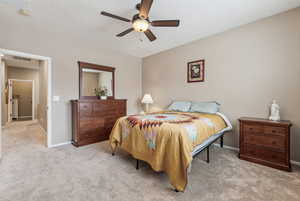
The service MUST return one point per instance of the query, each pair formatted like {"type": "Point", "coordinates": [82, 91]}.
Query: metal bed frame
{"type": "Point", "coordinates": [205, 145]}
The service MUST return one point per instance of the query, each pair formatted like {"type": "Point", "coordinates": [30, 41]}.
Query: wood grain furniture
{"type": "Point", "coordinates": [265, 142]}
{"type": "Point", "coordinates": [92, 119]}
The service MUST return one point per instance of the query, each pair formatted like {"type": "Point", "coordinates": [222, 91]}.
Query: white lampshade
{"type": "Point", "coordinates": [147, 99]}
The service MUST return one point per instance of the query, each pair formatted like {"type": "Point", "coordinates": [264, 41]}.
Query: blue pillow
{"type": "Point", "coordinates": [205, 107]}
{"type": "Point", "coordinates": [181, 106]}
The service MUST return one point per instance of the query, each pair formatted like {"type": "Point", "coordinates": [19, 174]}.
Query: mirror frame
{"type": "Point", "coordinates": [95, 67]}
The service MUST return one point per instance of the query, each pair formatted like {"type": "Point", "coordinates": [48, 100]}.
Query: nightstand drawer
{"type": "Point", "coordinates": [251, 128]}
{"type": "Point", "coordinates": [264, 154]}
{"type": "Point", "coordinates": [275, 130]}
{"type": "Point", "coordinates": [276, 142]}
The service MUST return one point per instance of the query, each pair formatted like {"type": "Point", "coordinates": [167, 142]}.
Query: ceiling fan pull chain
{"type": "Point", "coordinates": [141, 37]}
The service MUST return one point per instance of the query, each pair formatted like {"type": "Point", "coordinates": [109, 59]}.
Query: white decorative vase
{"type": "Point", "coordinates": [274, 111]}
{"type": "Point", "coordinates": [103, 97]}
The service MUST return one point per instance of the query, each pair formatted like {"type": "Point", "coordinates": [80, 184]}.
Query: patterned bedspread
{"type": "Point", "coordinates": [165, 140]}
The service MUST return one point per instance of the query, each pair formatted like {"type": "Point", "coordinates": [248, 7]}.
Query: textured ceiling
{"type": "Point", "coordinates": [81, 20]}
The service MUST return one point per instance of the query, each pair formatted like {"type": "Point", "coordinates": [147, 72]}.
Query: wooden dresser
{"type": "Point", "coordinates": [265, 142]}
{"type": "Point", "coordinates": [93, 119]}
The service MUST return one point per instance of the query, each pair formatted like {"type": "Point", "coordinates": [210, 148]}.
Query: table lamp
{"type": "Point", "coordinates": [147, 99]}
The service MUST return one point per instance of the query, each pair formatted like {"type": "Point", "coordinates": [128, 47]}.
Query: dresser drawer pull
{"type": "Point", "coordinates": [273, 131]}
{"type": "Point", "coordinates": [274, 142]}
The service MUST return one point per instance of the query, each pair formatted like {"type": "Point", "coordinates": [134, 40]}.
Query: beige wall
{"type": "Point", "coordinates": [65, 52]}
{"type": "Point", "coordinates": [43, 94]}
{"type": "Point", "coordinates": [26, 74]}
{"type": "Point", "coordinates": [23, 91]}
{"type": "Point", "coordinates": [246, 68]}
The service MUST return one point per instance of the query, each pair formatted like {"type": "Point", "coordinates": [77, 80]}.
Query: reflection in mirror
{"type": "Point", "coordinates": [93, 79]}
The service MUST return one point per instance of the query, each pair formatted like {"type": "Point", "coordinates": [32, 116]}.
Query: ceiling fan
{"type": "Point", "coordinates": [141, 22]}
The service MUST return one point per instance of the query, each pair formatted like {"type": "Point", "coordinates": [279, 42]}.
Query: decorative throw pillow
{"type": "Point", "coordinates": [180, 106]}
{"type": "Point", "coordinates": [205, 107]}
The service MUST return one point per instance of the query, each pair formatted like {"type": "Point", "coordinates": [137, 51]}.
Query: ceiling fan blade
{"type": "Point", "coordinates": [165, 23]}
{"type": "Point", "coordinates": [114, 16]}
{"type": "Point", "coordinates": [145, 8]}
{"type": "Point", "coordinates": [125, 32]}
{"type": "Point", "coordinates": [150, 35]}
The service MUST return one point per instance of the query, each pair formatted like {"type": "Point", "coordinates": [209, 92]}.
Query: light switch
{"type": "Point", "coordinates": [56, 98]}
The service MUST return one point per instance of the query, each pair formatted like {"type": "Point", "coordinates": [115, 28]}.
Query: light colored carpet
{"type": "Point", "coordinates": [31, 172]}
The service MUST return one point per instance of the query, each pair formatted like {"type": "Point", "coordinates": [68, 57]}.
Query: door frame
{"type": "Point", "coordinates": [48, 61]}
{"type": "Point", "coordinates": [1, 75]}
{"type": "Point", "coordinates": [10, 92]}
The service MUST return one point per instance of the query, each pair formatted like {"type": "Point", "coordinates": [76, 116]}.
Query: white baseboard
{"type": "Point", "coordinates": [227, 147]}
{"type": "Point", "coordinates": [295, 163]}
{"type": "Point", "coordinates": [237, 149]}
{"type": "Point", "coordinates": [60, 144]}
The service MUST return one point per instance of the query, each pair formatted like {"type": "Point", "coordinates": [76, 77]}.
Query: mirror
{"type": "Point", "coordinates": [93, 76]}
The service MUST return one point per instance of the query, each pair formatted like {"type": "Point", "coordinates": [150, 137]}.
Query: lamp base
{"type": "Point", "coordinates": [147, 107]}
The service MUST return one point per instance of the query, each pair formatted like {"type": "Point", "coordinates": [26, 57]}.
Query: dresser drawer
{"type": "Point", "coordinates": [91, 133]}
{"type": "Point", "coordinates": [111, 119]}
{"type": "Point", "coordinates": [275, 130]}
{"type": "Point", "coordinates": [84, 134]}
{"type": "Point", "coordinates": [264, 154]}
{"type": "Point", "coordinates": [108, 130]}
{"type": "Point", "coordinates": [276, 142]}
{"type": "Point", "coordinates": [251, 128]}
{"type": "Point", "coordinates": [92, 123]}
{"type": "Point", "coordinates": [85, 109]}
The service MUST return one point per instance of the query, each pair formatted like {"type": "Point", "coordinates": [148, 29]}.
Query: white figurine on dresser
{"type": "Point", "coordinates": [274, 111]}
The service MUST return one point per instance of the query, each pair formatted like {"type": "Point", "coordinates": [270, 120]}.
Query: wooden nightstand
{"type": "Point", "coordinates": [265, 142]}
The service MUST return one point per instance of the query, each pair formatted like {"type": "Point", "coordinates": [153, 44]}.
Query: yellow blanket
{"type": "Point", "coordinates": [165, 140]}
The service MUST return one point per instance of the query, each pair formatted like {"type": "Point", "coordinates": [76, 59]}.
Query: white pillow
{"type": "Point", "coordinates": [181, 106]}
{"type": "Point", "coordinates": [205, 107]}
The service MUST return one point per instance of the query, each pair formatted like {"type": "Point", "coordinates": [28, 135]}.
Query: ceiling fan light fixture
{"type": "Point", "coordinates": [140, 22]}
{"type": "Point", "coordinates": [140, 25]}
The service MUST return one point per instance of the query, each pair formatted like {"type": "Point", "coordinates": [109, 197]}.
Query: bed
{"type": "Point", "coordinates": [169, 140]}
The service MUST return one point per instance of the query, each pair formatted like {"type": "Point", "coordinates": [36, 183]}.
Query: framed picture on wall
{"type": "Point", "coordinates": [195, 71]}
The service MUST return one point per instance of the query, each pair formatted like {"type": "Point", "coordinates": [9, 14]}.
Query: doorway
{"type": "Point", "coordinates": [30, 111]}
{"type": "Point", "coordinates": [21, 100]}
